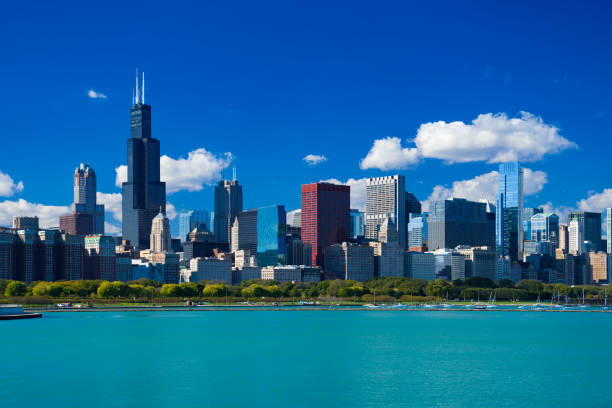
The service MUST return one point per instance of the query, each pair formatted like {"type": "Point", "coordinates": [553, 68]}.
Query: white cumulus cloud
{"type": "Point", "coordinates": [358, 191]}
{"type": "Point", "coordinates": [112, 204]}
{"type": "Point", "coordinates": [111, 229]}
{"type": "Point", "coordinates": [314, 159]}
{"type": "Point", "coordinates": [95, 95]}
{"type": "Point", "coordinates": [485, 186]}
{"type": "Point", "coordinates": [596, 202]}
{"type": "Point", "coordinates": [493, 138]}
{"type": "Point", "coordinates": [8, 187]}
{"type": "Point", "coordinates": [48, 214]}
{"type": "Point", "coordinates": [388, 154]}
{"type": "Point", "coordinates": [191, 173]}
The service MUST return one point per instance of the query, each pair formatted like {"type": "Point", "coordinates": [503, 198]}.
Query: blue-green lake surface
{"type": "Point", "coordinates": [307, 359]}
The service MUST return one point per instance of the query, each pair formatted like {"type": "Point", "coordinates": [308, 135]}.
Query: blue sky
{"type": "Point", "coordinates": [272, 82]}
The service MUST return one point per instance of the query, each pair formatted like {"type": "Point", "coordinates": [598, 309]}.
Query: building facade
{"type": "Point", "coordinates": [325, 217]}
{"type": "Point", "coordinates": [480, 262]}
{"type": "Point", "coordinates": [143, 194]}
{"type": "Point", "coordinates": [576, 236]}
{"type": "Point", "coordinates": [228, 204]}
{"type": "Point", "coordinates": [101, 261]}
{"type": "Point", "coordinates": [271, 235]}
{"type": "Point", "coordinates": [357, 223]}
{"type": "Point", "coordinates": [386, 197]}
{"type": "Point", "coordinates": [591, 224]}
{"type": "Point", "coordinates": [191, 219]}
{"type": "Point", "coordinates": [509, 211]}
{"type": "Point", "coordinates": [160, 234]}
{"type": "Point", "coordinates": [456, 222]}
{"type": "Point", "coordinates": [420, 265]}
{"type": "Point", "coordinates": [244, 232]}
{"type": "Point", "coordinates": [350, 262]}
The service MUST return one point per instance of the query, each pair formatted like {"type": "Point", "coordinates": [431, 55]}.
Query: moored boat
{"type": "Point", "coordinates": [13, 312]}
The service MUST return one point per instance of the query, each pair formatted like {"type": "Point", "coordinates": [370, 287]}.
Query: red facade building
{"type": "Point", "coordinates": [325, 217]}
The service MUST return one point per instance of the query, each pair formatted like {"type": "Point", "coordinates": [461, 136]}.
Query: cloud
{"type": "Point", "coordinates": [171, 211]}
{"type": "Point", "coordinates": [596, 202]}
{"type": "Point", "coordinates": [48, 214]}
{"type": "Point", "coordinates": [358, 191]}
{"type": "Point", "coordinates": [485, 186]}
{"type": "Point", "coordinates": [294, 217]}
{"type": "Point", "coordinates": [8, 186]}
{"type": "Point", "coordinates": [388, 154]}
{"type": "Point", "coordinates": [112, 204]}
{"type": "Point", "coordinates": [95, 95]}
{"type": "Point", "coordinates": [493, 138]}
{"type": "Point", "coordinates": [314, 159]}
{"type": "Point", "coordinates": [111, 229]}
{"type": "Point", "coordinates": [191, 173]}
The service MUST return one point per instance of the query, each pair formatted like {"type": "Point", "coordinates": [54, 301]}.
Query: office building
{"type": "Point", "coordinates": [144, 269]}
{"type": "Point", "coordinates": [538, 247]}
{"type": "Point", "coordinates": [228, 204]}
{"type": "Point", "coordinates": [210, 269]}
{"type": "Point", "coordinates": [576, 236]}
{"type": "Point", "coordinates": [609, 230]}
{"type": "Point", "coordinates": [479, 261]}
{"type": "Point", "coordinates": [123, 267]}
{"type": "Point", "coordinates": [171, 265]}
{"type": "Point", "coordinates": [291, 273]}
{"type": "Point", "coordinates": [591, 224]}
{"type": "Point", "coordinates": [245, 273]}
{"type": "Point", "coordinates": [598, 264]}
{"type": "Point", "coordinates": [271, 230]}
{"type": "Point", "coordinates": [325, 217]}
{"type": "Point", "coordinates": [388, 259]}
{"type": "Point", "coordinates": [509, 211]}
{"type": "Point", "coordinates": [545, 227]}
{"type": "Point", "coordinates": [7, 255]}
{"type": "Point", "coordinates": [413, 205]}
{"type": "Point", "coordinates": [563, 238]}
{"type": "Point", "coordinates": [386, 197]}
{"type": "Point", "coordinates": [160, 234]}
{"type": "Point", "coordinates": [527, 214]}
{"type": "Point", "coordinates": [101, 261]}
{"type": "Point", "coordinates": [456, 222]}
{"type": "Point", "coordinates": [71, 257]}
{"type": "Point", "coordinates": [504, 270]}
{"type": "Point", "coordinates": [417, 230]}
{"type": "Point", "coordinates": [450, 265]}
{"type": "Point", "coordinates": [350, 262]}
{"type": "Point", "coordinates": [244, 232]}
{"type": "Point", "coordinates": [143, 193]}
{"type": "Point", "coordinates": [420, 265]}
{"type": "Point", "coordinates": [47, 254]}
{"type": "Point", "coordinates": [191, 219]}
{"type": "Point", "coordinates": [298, 253]}
{"type": "Point", "coordinates": [25, 223]}
{"type": "Point", "coordinates": [357, 223]}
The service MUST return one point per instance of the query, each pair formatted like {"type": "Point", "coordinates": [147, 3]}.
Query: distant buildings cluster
{"type": "Point", "coordinates": [324, 239]}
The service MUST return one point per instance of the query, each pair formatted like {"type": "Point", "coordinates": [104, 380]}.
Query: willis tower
{"type": "Point", "coordinates": [144, 195]}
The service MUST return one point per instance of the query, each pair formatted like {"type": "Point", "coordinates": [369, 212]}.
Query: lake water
{"type": "Point", "coordinates": [307, 359]}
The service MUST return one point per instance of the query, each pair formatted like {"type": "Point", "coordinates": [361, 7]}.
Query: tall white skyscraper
{"type": "Point", "coordinates": [386, 197]}
{"type": "Point", "coordinates": [609, 229]}
{"type": "Point", "coordinates": [576, 236]}
{"type": "Point", "coordinates": [160, 233]}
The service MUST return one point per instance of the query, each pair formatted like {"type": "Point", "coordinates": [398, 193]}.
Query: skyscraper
{"type": "Point", "coordinates": [101, 254]}
{"type": "Point", "coordinates": [508, 220]}
{"type": "Point", "coordinates": [143, 192]}
{"type": "Point", "coordinates": [576, 236]}
{"type": "Point", "coordinates": [457, 222]}
{"type": "Point", "coordinates": [417, 230]}
{"type": "Point", "coordinates": [86, 216]}
{"type": "Point", "coordinates": [325, 217]}
{"type": "Point", "coordinates": [189, 220]}
{"type": "Point", "coordinates": [591, 224]}
{"type": "Point", "coordinates": [564, 238]}
{"type": "Point", "coordinates": [357, 223]}
{"type": "Point", "coordinates": [228, 203]}
{"type": "Point", "coordinates": [527, 214]}
{"type": "Point", "coordinates": [386, 197]}
{"type": "Point", "coordinates": [609, 230]}
{"type": "Point", "coordinates": [545, 227]}
{"type": "Point", "coordinates": [271, 229]}
{"type": "Point", "coordinates": [160, 233]}
{"type": "Point", "coordinates": [244, 232]}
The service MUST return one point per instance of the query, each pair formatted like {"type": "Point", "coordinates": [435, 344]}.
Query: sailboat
{"type": "Point", "coordinates": [537, 305]}
{"type": "Point", "coordinates": [606, 299]}
{"type": "Point", "coordinates": [584, 305]}
{"type": "Point", "coordinates": [492, 301]}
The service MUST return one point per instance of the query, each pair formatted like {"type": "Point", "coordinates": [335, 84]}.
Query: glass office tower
{"type": "Point", "coordinates": [509, 203]}
{"type": "Point", "coordinates": [191, 219]}
{"type": "Point", "coordinates": [271, 235]}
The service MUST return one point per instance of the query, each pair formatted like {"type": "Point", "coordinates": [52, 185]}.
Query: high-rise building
{"type": "Point", "coordinates": [350, 262]}
{"type": "Point", "coordinates": [48, 245]}
{"type": "Point", "coordinates": [325, 217]}
{"type": "Point", "coordinates": [509, 211]}
{"type": "Point", "coordinates": [244, 232]}
{"type": "Point", "coordinates": [25, 223]}
{"type": "Point", "coordinates": [598, 264]}
{"type": "Point", "coordinates": [228, 204]}
{"type": "Point", "coordinates": [191, 219]}
{"type": "Point", "coordinates": [456, 222]}
{"type": "Point", "coordinates": [417, 230]}
{"type": "Point", "coordinates": [298, 253]}
{"type": "Point", "coordinates": [271, 230]}
{"type": "Point", "coordinates": [143, 193]}
{"type": "Point", "coordinates": [450, 265]}
{"type": "Point", "coordinates": [420, 265]}
{"type": "Point", "coordinates": [101, 257]}
{"type": "Point", "coordinates": [564, 238]}
{"type": "Point", "coordinates": [576, 236]}
{"type": "Point", "coordinates": [7, 255]}
{"type": "Point", "coordinates": [72, 257]}
{"type": "Point", "coordinates": [591, 222]}
{"type": "Point", "coordinates": [413, 205]}
{"type": "Point", "coordinates": [529, 212]}
{"type": "Point", "coordinates": [480, 261]}
{"type": "Point", "coordinates": [545, 227]}
{"type": "Point", "coordinates": [609, 230]}
{"type": "Point", "coordinates": [357, 223]}
{"type": "Point", "coordinates": [386, 197]}
{"type": "Point", "coordinates": [160, 233]}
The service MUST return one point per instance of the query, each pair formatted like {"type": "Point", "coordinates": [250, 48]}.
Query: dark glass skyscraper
{"type": "Point", "coordinates": [143, 192]}
{"type": "Point", "coordinates": [508, 221]}
{"type": "Point", "coordinates": [591, 222]}
{"type": "Point", "coordinates": [271, 230]}
{"type": "Point", "coordinates": [457, 222]}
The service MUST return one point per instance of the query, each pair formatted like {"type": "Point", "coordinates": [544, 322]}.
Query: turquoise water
{"type": "Point", "coordinates": [307, 359]}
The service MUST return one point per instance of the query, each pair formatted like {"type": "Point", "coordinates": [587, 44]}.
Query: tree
{"type": "Point", "coordinates": [215, 290]}
{"type": "Point", "coordinates": [438, 288]}
{"type": "Point", "coordinates": [479, 282]}
{"type": "Point", "coordinates": [505, 283]}
{"type": "Point", "coordinates": [16, 288]}
{"type": "Point", "coordinates": [171, 290]}
{"type": "Point", "coordinates": [531, 285]}
{"type": "Point", "coordinates": [106, 290]}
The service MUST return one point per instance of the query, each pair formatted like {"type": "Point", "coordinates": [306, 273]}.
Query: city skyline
{"type": "Point", "coordinates": [382, 121]}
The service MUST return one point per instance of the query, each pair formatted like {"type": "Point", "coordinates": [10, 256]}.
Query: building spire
{"type": "Point", "coordinates": [137, 88]}
{"type": "Point", "coordinates": [234, 173]}
{"type": "Point", "coordinates": [143, 89]}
